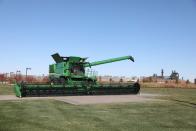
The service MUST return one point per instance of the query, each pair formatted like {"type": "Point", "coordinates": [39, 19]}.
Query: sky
{"type": "Point", "coordinates": [159, 34]}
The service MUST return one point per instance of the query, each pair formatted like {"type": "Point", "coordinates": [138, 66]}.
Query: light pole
{"type": "Point", "coordinates": [17, 72]}
{"type": "Point", "coordinates": [11, 77]}
{"type": "Point", "coordinates": [6, 75]}
{"type": "Point", "coordinates": [11, 74]}
{"type": "Point", "coordinates": [27, 71]}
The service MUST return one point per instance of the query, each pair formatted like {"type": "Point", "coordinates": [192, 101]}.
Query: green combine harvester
{"type": "Point", "coordinates": [68, 77]}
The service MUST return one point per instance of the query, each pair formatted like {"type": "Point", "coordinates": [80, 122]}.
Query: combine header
{"type": "Point", "coordinates": [67, 77]}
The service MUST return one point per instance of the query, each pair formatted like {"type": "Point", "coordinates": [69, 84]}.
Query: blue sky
{"type": "Point", "coordinates": [157, 33]}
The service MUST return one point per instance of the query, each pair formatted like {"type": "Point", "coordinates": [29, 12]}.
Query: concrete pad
{"type": "Point", "coordinates": [85, 100]}
{"type": "Point", "coordinates": [106, 99]}
{"type": "Point", "coordinates": [7, 97]}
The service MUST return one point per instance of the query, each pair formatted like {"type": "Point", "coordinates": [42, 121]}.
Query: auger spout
{"type": "Point", "coordinates": [109, 61]}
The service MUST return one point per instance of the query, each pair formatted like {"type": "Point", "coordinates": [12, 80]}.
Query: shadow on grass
{"type": "Point", "coordinates": [185, 103]}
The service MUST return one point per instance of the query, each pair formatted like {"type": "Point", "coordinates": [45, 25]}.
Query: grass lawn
{"type": "Point", "coordinates": [176, 114]}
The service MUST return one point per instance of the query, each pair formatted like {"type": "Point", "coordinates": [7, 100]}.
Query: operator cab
{"type": "Point", "coordinates": [77, 70]}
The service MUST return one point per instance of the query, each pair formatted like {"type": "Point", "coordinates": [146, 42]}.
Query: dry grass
{"type": "Point", "coordinates": [167, 85]}
{"type": "Point", "coordinates": [6, 89]}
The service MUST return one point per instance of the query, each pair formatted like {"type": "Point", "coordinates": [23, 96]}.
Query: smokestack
{"type": "Point", "coordinates": [162, 73]}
